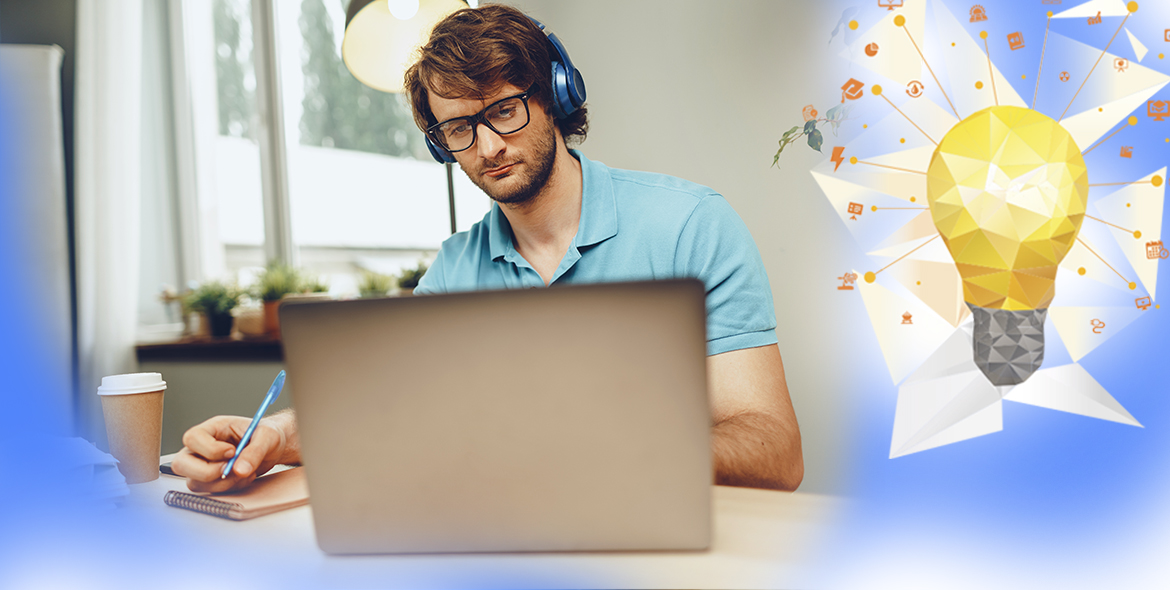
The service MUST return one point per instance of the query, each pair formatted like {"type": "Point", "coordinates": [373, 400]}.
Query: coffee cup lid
{"type": "Point", "coordinates": [131, 383]}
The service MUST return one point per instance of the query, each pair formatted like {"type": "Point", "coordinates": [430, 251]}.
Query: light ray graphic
{"type": "Point", "coordinates": [1039, 70]}
{"type": "Point", "coordinates": [856, 161]}
{"type": "Point", "coordinates": [1095, 246]}
{"type": "Point", "coordinates": [991, 70]}
{"type": "Point", "coordinates": [1094, 68]}
{"type": "Point", "coordinates": [900, 21]}
{"type": "Point", "coordinates": [877, 91]}
{"type": "Point", "coordinates": [1132, 121]}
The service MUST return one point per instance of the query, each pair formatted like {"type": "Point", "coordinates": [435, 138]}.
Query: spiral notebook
{"type": "Point", "coordinates": [268, 494]}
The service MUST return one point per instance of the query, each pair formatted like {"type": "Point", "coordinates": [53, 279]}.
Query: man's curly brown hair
{"type": "Point", "coordinates": [474, 52]}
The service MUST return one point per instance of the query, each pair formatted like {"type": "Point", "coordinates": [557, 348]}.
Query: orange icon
{"type": "Point", "coordinates": [855, 209]}
{"type": "Point", "coordinates": [1120, 63]}
{"type": "Point", "coordinates": [978, 14]}
{"type": "Point", "coordinates": [809, 113]}
{"type": "Point", "coordinates": [852, 90]}
{"type": "Point", "coordinates": [1016, 40]}
{"type": "Point", "coordinates": [906, 318]}
{"type": "Point", "coordinates": [871, 49]}
{"type": "Point", "coordinates": [914, 89]}
{"type": "Point", "coordinates": [891, 4]}
{"type": "Point", "coordinates": [1095, 20]}
{"type": "Point", "coordinates": [1098, 325]}
{"type": "Point", "coordinates": [847, 281]}
{"type": "Point", "coordinates": [1168, 35]}
{"type": "Point", "coordinates": [837, 158]}
{"type": "Point", "coordinates": [1064, 76]}
{"type": "Point", "coordinates": [1155, 250]}
{"type": "Point", "coordinates": [1127, 151]}
{"type": "Point", "coordinates": [1143, 303]}
{"type": "Point", "coordinates": [1158, 109]}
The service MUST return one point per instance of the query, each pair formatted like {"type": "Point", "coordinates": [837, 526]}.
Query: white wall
{"type": "Point", "coordinates": [702, 90]}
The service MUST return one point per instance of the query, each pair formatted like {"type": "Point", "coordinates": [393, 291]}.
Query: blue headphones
{"type": "Point", "coordinates": [568, 89]}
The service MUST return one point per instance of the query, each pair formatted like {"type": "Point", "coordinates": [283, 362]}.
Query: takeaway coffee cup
{"type": "Point", "coordinates": [133, 405]}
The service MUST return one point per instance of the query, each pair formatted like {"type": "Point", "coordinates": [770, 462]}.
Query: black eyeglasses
{"type": "Point", "coordinates": [507, 115]}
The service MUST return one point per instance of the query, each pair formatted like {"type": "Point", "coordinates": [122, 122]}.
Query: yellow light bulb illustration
{"type": "Point", "coordinates": [1007, 189]}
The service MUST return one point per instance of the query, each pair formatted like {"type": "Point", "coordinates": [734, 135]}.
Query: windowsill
{"type": "Point", "coordinates": [204, 349]}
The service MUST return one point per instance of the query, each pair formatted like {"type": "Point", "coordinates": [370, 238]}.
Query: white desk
{"type": "Point", "coordinates": [761, 539]}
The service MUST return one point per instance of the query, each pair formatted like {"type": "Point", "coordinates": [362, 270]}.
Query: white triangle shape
{"type": "Point", "coordinates": [937, 284]}
{"type": "Point", "coordinates": [966, 63]}
{"type": "Point", "coordinates": [1115, 95]}
{"type": "Point", "coordinates": [1139, 50]}
{"type": "Point", "coordinates": [1138, 207]}
{"type": "Point", "coordinates": [1080, 329]}
{"type": "Point", "coordinates": [1070, 388]}
{"type": "Point", "coordinates": [904, 345]}
{"type": "Point", "coordinates": [943, 411]}
{"type": "Point", "coordinates": [919, 228]}
{"type": "Point", "coordinates": [952, 357]}
{"type": "Point", "coordinates": [1091, 8]}
{"type": "Point", "coordinates": [896, 59]}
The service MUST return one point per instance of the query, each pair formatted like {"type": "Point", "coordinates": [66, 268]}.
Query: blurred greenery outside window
{"type": "Point", "coordinates": [364, 193]}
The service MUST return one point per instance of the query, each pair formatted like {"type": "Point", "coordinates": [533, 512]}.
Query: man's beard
{"type": "Point", "coordinates": [540, 164]}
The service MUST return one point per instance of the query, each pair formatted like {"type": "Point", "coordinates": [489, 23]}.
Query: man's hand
{"type": "Point", "coordinates": [209, 445]}
{"type": "Point", "coordinates": [755, 436]}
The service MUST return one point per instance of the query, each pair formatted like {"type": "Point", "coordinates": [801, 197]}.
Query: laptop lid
{"type": "Point", "coordinates": [570, 418]}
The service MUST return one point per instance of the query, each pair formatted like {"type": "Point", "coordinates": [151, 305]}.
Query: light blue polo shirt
{"type": "Point", "coordinates": [634, 226]}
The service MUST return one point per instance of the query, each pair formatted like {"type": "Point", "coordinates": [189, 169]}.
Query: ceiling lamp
{"type": "Point", "coordinates": [382, 35]}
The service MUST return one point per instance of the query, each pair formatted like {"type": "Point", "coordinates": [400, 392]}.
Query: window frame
{"type": "Point", "coordinates": [201, 253]}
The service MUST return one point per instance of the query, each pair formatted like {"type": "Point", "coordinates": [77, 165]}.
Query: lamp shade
{"type": "Point", "coordinates": [381, 36]}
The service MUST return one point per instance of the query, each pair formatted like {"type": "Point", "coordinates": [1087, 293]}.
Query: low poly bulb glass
{"type": "Point", "coordinates": [1007, 189]}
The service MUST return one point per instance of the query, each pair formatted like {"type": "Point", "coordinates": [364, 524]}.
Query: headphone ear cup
{"type": "Point", "coordinates": [440, 154]}
{"type": "Point", "coordinates": [577, 89]}
{"type": "Point", "coordinates": [562, 98]}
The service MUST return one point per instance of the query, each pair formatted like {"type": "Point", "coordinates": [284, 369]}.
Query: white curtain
{"type": "Point", "coordinates": [35, 234]}
{"type": "Point", "coordinates": [107, 186]}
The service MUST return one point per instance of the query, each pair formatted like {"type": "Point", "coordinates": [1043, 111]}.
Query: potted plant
{"type": "Point", "coordinates": [313, 285]}
{"type": "Point", "coordinates": [272, 285]}
{"type": "Point", "coordinates": [215, 300]}
{"type": "Point", "coordinates": [373, 284]}
{"type": "Point", "coordinates": [409, 278]}
{"type": "Point", "coordinates": [311, 288]}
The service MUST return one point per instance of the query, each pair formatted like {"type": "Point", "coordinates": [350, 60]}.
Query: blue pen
{"type": "Point", "coordinates": [273, 393]}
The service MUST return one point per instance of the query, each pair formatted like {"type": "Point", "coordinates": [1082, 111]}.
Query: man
{"type": "Point", "coordinates": [482, 91]}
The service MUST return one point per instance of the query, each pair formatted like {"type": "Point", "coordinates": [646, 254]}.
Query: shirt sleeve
{"type": "Point", "coordinates": [716, 247]}
{"type": "Point", "coordinates": [432, 281]}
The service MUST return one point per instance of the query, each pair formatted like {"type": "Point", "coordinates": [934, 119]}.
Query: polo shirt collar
{"type": "Point", "coordinates": [598, 211]}
{"type": "Point", "coordinates": [598, 203]}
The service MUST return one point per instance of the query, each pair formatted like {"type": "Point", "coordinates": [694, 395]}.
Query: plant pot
{"type": "Point", "coordinates": [221, 324]}
{"type": "Point", "coordinates": [198, 324]}
{"type": "Point", "coordinates": [272, 318]}
{"type": "Point", "coordinates": [250, 322]}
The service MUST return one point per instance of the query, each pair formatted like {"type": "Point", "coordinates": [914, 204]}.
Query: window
{"type": "Point", "coordinates": [296, 160]}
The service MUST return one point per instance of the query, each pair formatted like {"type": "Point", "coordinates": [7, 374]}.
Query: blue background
{"type": "Point", "coordinates": [1055, 499]}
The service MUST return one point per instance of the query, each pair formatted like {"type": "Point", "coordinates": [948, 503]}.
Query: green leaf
{"type": "Point", "coordinates": [777, 156]}
{"type": "Point", "coordinates": [810, 126]}
{"type": "Point", "coordinates": [833, 113]}
{"type": "Point", "coordinates": [815, 139]}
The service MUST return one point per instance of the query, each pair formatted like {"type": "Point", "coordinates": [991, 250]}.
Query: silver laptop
{"type": "Point", "coordinates": [564, 419]}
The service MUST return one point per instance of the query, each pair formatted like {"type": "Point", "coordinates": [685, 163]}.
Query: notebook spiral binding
{"type": "Point", "coordinates": [200, 504]}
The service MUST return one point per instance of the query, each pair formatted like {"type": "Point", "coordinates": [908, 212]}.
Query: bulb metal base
{"type": "Point", "coordinates": [1008, 345]}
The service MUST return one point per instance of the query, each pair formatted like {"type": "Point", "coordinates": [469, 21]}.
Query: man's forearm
{"type": "Point", "coordinates": [755, 450]}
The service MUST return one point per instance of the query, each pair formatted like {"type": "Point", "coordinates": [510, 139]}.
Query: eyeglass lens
{"type": "Point", "coordinates": [507, 116]}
